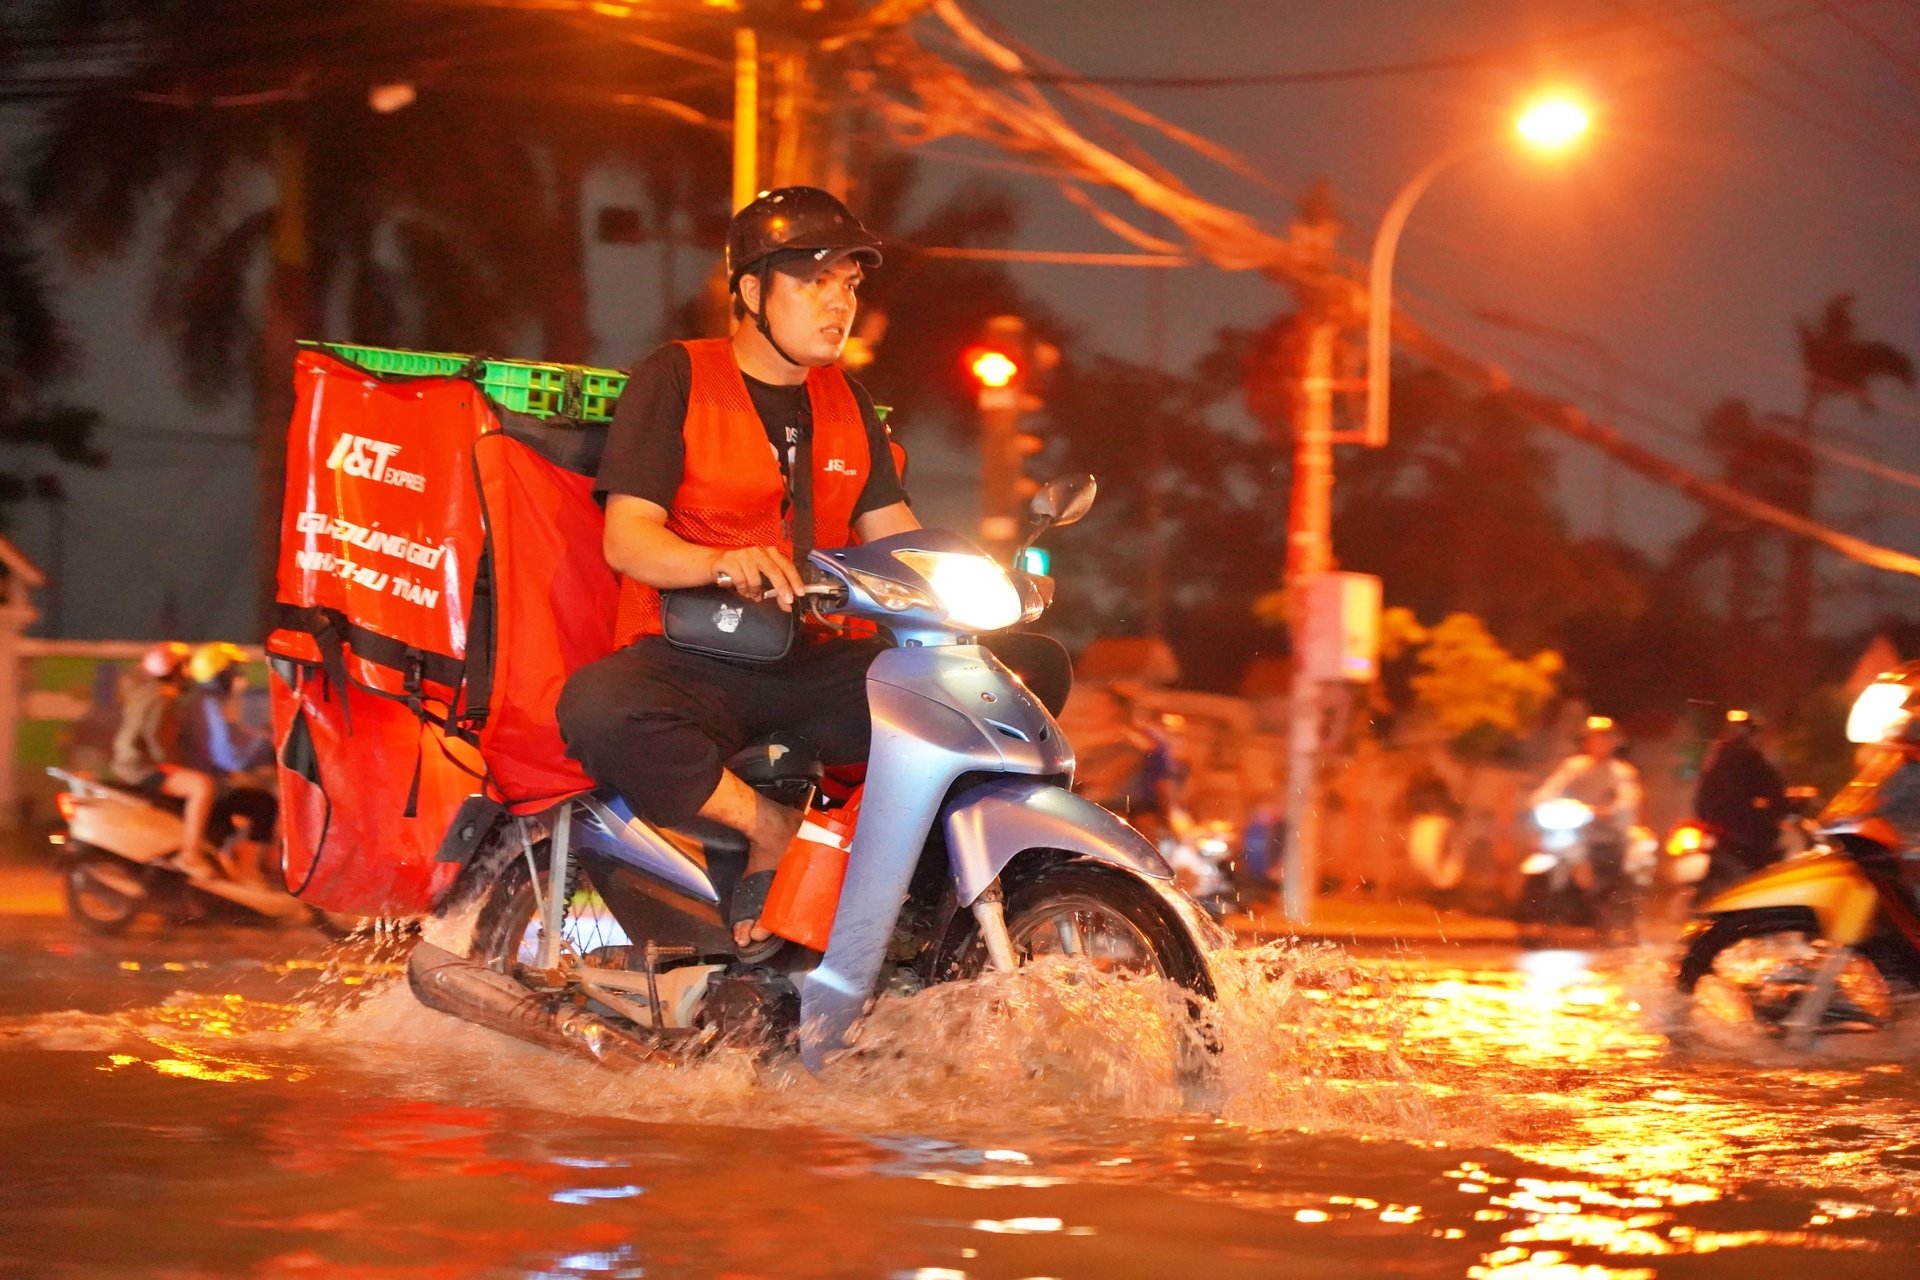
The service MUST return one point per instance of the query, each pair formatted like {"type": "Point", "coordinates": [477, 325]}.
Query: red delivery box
{"type": "Point", "coordinates": [440, 576]}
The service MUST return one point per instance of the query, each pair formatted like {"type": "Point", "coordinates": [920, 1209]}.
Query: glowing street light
{"type": "Point", "coordinates": [1551, 124]}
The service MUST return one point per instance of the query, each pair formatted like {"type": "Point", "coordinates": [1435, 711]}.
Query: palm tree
{"type": "Point", "coordinates": [288, 206]}
{"type": "Point", "coordinates": [1835, 362]}
{"type": "Point", "coordinates": [33, 350]}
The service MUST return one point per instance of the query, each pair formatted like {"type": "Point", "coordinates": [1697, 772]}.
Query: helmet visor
{"type": "Point", "coordinates": [804, 262]}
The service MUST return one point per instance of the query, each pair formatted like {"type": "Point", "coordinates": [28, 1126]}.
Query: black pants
{"type": "Point", "coordinates": [658, 725]}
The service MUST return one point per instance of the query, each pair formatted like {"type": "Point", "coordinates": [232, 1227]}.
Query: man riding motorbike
{"type": "Point", "coordinates": [1742, 797]}
{"type": "Point", "coordinates": [1609, 788]}
{"type": "Point", "coordinates": [214, 743]}
{"type": "Point", "coordinates": [142, 748]}
{"type": "Point", "coordinates": [1597, 778]}
{"type": "Point", "coordinates": [700, 489]}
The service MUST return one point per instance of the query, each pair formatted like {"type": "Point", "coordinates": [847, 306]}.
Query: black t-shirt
{"type": "Point", "coordinates": [646, 449]}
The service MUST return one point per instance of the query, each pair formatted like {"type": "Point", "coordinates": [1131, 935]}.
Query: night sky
{"type": "Point", "coordinates": [1716, 205]}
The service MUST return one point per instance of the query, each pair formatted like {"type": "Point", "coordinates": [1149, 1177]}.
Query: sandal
{"type": "Point", "coordinates": [744, 906]}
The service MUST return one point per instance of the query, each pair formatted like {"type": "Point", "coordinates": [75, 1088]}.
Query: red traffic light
{"type": "Point", "coordinates": [992, 368]}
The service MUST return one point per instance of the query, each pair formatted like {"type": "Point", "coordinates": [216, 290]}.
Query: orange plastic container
{"type": "Point", "coordinates": [806, 888]}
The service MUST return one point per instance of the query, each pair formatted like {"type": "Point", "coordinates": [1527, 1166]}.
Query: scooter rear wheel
{"type": "Point", "coordinates": [93, 898]}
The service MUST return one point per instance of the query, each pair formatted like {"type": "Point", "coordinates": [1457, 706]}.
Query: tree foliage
{"type": "Point", "coordinates": [1479, 695]}
{"type": "Point", "coordinates": [34, 350]}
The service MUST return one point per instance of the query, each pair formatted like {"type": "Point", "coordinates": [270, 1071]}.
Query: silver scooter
{"type": "Point", "coordinates": [118, 858]}
{"type": "Point", "coordinates": [970, 852]}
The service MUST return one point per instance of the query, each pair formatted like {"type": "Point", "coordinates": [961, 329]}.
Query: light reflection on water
{"type": "Point", "coordinates": [1478, 1115]}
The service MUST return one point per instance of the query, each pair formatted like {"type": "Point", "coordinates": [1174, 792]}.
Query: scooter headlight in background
{"type": "Point", "coordinates": [1538, 864]}
{"type": "Point", "coordinates": [1880, 713]}
{"type": "Point", "coordinates": [974, 591]}
{"type": "Point", "coordinates": [1561, 815]}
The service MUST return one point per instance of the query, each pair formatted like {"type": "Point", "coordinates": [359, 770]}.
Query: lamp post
{"type": "Point", "coordinates": [1551, 124]}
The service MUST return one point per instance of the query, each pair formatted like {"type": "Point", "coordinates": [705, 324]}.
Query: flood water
{"type": "Point", "coordinates": [237, 1102]}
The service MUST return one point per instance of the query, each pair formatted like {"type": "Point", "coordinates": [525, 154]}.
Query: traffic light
{"type": "Point", "coordinates": [1009, 368]}
{"type": "Point", "coordinates": [992, 369]}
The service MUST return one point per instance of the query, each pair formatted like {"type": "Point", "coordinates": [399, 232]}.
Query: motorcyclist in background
{"type": "Point", "coordinates": [1597, 778]}
{"type": "Point", "coordinates": [213, 741]}
{"type": "Point", "coordinates": [1743, 797]}
{"type": "Point", "coordinates": [1122, 766]}
{"type": "Point", "coordinates": [142, 749]}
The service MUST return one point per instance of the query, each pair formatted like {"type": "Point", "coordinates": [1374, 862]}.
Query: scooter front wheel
{"type": "Point", "coordinates": [1755, 967]}
{"type": "Point", "coordinates": [1097, 914]}
{"type": "Point", "coordinates": [102, 892]}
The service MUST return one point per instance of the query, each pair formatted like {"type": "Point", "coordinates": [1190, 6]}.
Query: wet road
{"type": "Point", "coordinates": [251, 1103]}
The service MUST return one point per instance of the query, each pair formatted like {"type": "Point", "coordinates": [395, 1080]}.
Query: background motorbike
{"type": "Point", "coordinates": [116, 852]}
{"type": "Point", "coordinates": [1690, 846]}
{"type": "Point", "coordinates": [1205, 858]}
{"type": "Point", "coordinates": [1828, 939]}
{"type": "Point", "coordinates": [1584, 873]}
{"type": "Point", "coordinates": [970, 854]}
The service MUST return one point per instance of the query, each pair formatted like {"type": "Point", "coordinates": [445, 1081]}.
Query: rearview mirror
{"type": "Point", "coordinates": [1064, 499]}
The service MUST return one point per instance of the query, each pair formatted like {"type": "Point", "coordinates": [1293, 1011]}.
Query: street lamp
{"type": "Point", "coordinates": [1549, 125]}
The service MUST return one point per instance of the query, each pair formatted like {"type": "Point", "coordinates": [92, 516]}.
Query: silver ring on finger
{"type": "Point", "coordinates": [722, 578]}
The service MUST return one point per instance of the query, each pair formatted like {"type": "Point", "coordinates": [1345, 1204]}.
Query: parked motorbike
{"type": "Point", "coordinates": [118, 851]}
{"type": "Point", "coordinates": [1584, 874]}
{"type": "Point", "coordinates": [602, 934]}
{"type": "Point", "coordinates": [1828, 939]}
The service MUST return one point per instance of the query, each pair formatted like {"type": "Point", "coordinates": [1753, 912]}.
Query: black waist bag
{"type": "Point", "coordinates": [715, 621]}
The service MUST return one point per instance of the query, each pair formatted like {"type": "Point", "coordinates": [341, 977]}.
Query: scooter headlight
{"type": "Point", "coordinates": [974, 591]}
{"type": "Point", "coordinates": [895, 597]}
{"type": "Point", "coordinates": [1880, 713]}
{"type": "Point", "coordinates": [1561, 815]}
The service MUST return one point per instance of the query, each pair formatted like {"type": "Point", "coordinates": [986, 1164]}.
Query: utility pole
{"type": "Point", "coordinates": [1156, 459]}
{"type": "Point", "coordinates": [746, 117]}
{"type": "Point", "coordinates": [1309, 555]}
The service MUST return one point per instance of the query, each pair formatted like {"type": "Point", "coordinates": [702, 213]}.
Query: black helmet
{"type": "Point", "coordinates": [794, 219]}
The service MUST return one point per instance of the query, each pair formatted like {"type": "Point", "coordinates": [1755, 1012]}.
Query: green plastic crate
{"type": "Point", "coordinates": [536, 389]}
{"type": "Point", "coordinates": [599, 390]}
{"type": "Point", "coordinates": [524, 386]}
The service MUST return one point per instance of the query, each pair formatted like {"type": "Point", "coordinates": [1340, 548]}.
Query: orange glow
{"type": "Point", "coordinates": [993, 368]}
{"type": "Point", "coordinates": [1686, 838]}
{"type": "Point", "coordinates": [67, 805]}
{"type": "Point", "coordinates": [1553, 124]}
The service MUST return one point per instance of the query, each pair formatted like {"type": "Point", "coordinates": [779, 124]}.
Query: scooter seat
{"type": "Point", "coordinates": [158, 799]}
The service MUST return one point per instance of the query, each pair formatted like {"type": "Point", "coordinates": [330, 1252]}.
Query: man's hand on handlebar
{"type": "Point", "coordinates": [754, 573]}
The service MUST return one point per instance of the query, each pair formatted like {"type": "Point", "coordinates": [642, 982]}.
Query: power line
{"type": "Point", "coordinates": [1692, 48]}
{"type": "Point", "coordinates": [1821, 85]}
{"type": "Point", "coordinates": [1867, 36]}
{"type": "Point", "coordinates": [1515, 51]}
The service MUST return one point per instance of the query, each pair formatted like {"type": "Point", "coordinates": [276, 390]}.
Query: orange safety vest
{"type": "Point", "coordinates": [731, 490]}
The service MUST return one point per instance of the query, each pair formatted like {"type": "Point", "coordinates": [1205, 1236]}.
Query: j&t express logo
{"type": "Point", "coordinates": [368, 459]}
